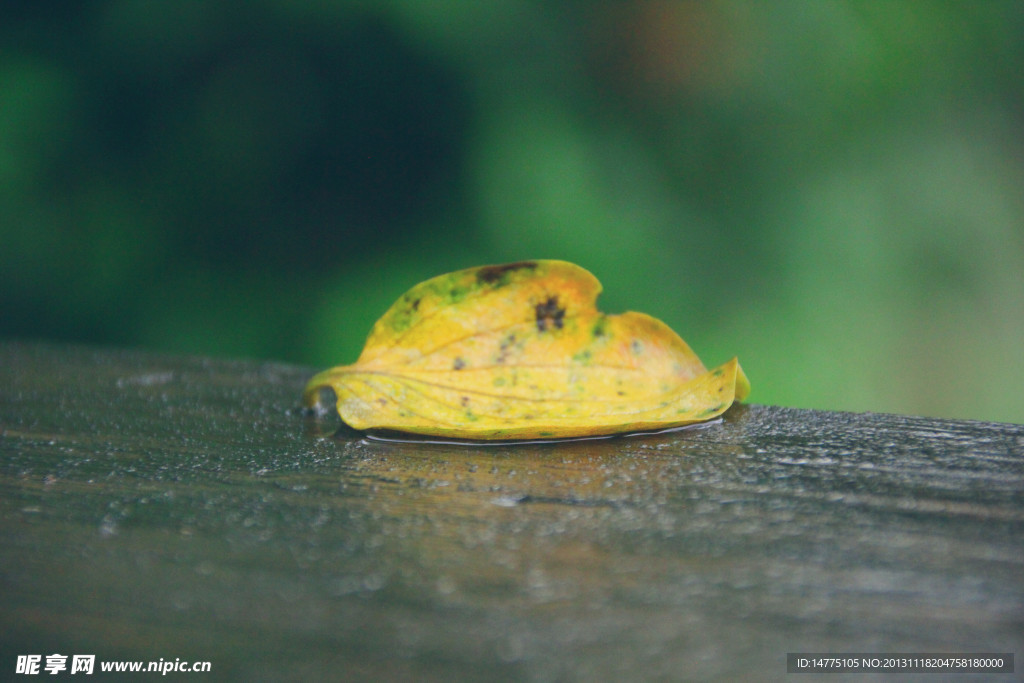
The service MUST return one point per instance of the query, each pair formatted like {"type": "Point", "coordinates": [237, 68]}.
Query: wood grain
{"type": "Point", "coordinates": [161, 506]}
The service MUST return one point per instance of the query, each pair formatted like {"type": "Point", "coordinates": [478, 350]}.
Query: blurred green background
{"type": "Point", "coordinates": [832, 191]}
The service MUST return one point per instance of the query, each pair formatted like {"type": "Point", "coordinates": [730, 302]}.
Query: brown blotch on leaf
{"type": "Point", "coordinates": [549, 313]}
{"type": "Point", "coordinates": [459, 363]}
{"type": "Point", "coordinates": [491, 274]}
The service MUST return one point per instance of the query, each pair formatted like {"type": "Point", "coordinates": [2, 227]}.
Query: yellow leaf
{"type": "Point", "coordinates": [519, 351]}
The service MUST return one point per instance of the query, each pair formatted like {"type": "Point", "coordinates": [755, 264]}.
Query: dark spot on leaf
{"type": "Point", "coordinates": [459, 363]}
{"type": "Point", "coordinates": [382, 401]}
{"type": "Point", "coordinates": [549, 314]}
{"type": "Point", "coordinates": [503, 349]}
{"type": "Point", "coordinates": [712, 410]}
{"type": "Point", "coordinates": [490, 275]}
{"type": "Point", "coordinates": [404, 316]}
{"type": "Point", "coordinates": [600, 327]}
{"type": "Point", "coordinates": [464, 401]}
{"type": "Point", "coordinates": [636, 347]}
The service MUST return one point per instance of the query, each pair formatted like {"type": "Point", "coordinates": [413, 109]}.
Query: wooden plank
{"type": "Point", "coordinates": [168, 507]}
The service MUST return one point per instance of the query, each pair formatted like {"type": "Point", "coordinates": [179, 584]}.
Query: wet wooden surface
{"type": "Point", "coordinates": [167, 507]}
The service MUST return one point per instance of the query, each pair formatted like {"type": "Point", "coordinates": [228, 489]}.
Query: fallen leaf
{"type": "Point", "coordinates": [519, 351]}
